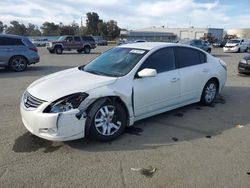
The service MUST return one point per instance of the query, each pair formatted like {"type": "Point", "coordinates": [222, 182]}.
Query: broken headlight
{"type": "Point", "coordinates": [66, 103]}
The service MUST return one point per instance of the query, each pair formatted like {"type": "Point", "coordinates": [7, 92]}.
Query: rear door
{"type": "Point", "coordinates": [77, 42]}
{"type": "Point", "coordinates": [194, 72]}
{"type": "Point", "coordinates": [9, 47]}
{"type": "Point", "coordinates": [163, 90]}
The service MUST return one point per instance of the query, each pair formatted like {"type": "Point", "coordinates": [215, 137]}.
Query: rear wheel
{"type": "Point", "coordinates": [58, 50]}
{"type": "Point", "coordinates": [209, 92]}
{"type": "Point", "coordinates": [18, 63]}
{"type": "Point", "coordinates": [108, 120]}
{"type": "Point", "coordinates": [86, 49]}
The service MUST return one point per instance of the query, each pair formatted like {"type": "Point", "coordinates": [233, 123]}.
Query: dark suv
{"type": "Point", "coordinates": [78, 43]}
{"type": "Point", "coordinates": [16, 52]}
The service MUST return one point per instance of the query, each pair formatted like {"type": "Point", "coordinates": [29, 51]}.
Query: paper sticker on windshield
{"type": "Point", "coordinates": [137, 51]}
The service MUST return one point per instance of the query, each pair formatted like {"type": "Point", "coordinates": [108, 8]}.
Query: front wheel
{"type": "Point", "coordinates": [108, 120]}
{"type": "Point", "coordinates": [209, 92]}
{"type": "Point", "coordinates": [18, 63]}
{"type": "Point", "coordinates": [58, 50]}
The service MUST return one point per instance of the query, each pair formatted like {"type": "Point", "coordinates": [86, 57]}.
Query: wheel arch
{"type": "Point", "coordinates": [103, 99]}
{"type": "Point", "coordinates": [18, 55]}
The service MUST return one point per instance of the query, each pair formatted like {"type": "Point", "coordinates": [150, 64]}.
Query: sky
{"type": "Point", "coordinates": [132, 14]}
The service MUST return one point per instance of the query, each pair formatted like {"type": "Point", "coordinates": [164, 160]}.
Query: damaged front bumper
{"type": "Point", "coordinates": [53, 126]}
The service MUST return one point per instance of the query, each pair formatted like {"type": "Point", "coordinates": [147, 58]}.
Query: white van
{"type": "Point", "coordinates": [237, 45]}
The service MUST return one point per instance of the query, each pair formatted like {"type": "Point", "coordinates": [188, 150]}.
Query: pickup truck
{"type": "Point", "coordinates": [68, 43]}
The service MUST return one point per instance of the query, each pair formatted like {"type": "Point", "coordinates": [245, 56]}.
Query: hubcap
{"type": "Point", "coordinates": [18, 64]}
{"type": "Point", "coordinates": [106, 121]}
{"type": "Point", "coordinates": [210, 92]}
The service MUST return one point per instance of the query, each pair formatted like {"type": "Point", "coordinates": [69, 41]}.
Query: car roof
{"type": "Point", "coordinates": [12, 36]}
{"type": "Point", "coordinates": [150, 45]}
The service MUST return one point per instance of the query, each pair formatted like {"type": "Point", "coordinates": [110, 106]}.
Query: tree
{"type": "Point", "coordinates": [2, 27]}
{"type": "Point", "coordinates": [16, 28]}
{"type": "Point", "coordinates": [32, 30]}
{"type": "Point", "coordinates": [113, 30]}
{"type": "Point", "coordinates": [92, 22]}
{"type": "Point", "coordinates": [50, 29]}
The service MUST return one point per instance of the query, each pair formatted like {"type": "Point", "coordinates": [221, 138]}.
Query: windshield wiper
{"type": "Point", "coordinates": [98, 73]}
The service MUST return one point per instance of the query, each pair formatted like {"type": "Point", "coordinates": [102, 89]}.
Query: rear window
{"type": "Point", "coordinates": [188, 57]}
{"type": "Point", "coordinates": [6, 41]}
{"type": "Point", "coordinates": [88, 38]}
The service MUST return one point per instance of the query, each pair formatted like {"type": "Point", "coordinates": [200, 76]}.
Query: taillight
{"type": "Point", "coordinates": [34, 49]}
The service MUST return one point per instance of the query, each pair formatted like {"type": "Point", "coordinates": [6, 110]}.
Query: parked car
{"type": "Point", "coordinates": [68, 43]}
{"type": "Point", "coordinates": [16, 52]}
{"type": "Point", "coordinates": [39, 42]}
{"type": "Point", "coordinates": [219, 43]}
{"type": "Point", "coordinates": [237, 45]}
{"type": "Point", "coordinates": [129, 41]}
{"type": "Point", "coordinates": [121, 86]}
{"type": "Point", "coordinates": [244, 65]}
{"type": "Point", "coordinates": [197, 43]}
{"type": "Point", "coordinates": [100, 41]}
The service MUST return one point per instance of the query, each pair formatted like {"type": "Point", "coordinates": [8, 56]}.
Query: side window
{"type": "Point", "coordinates": [163, 60]}
{"type": "Point", "coordinates": [189, 57]}
{"type": "Point", "coordinates": [5, 41]}
{"type": "Point", "coordinates": [77, 39]}
{"type": "Point", "coordinates": [69, 39]}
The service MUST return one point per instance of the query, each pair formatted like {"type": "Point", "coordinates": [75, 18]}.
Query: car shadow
{"type": "Point", "coordinates": [180, 125]}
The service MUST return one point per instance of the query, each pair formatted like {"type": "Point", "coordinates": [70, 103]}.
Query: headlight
{"type": "Point", "coordinates": [66, 103]}
{"type": "Point", "coordinates": [243, 61]}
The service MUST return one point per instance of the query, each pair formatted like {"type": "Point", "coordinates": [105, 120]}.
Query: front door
{"type": "Point", "coordinates": [153, 94]}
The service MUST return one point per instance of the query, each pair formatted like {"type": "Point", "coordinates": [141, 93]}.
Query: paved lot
{"type": "Point", "coordinates": [194, 146]}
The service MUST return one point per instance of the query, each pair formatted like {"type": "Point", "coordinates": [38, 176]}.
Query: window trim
{"type": "Point", "coordinates": [176, 65]}
{"type": "Point", "coordinates": [199, 51]}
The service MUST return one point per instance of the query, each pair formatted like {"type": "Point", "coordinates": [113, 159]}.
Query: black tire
{"type": "Point", "coordinates": [58, 49]}
{"type": "Point", "coordinates": [246, 49]}
{"type": "Point", "coordinates": [86, 49]}
{"type": "Point", "coordinates": [209, 92]}
{"type": "Point", "coordinates": [18, 63]}
{"type": "Point", "coordinates": [209, 50]}
{"type": "Point", "coordinates": [52, 51]}
{"type": "Point", "coordinates": [238, 50]}
{"type": "Point", "coordinates": [101, 125]}
{"type": "Point", "coordinates": [79, 51]}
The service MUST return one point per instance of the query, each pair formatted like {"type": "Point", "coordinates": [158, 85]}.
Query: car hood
{"type": "Point", "coordinates": [231, 44]}
{"type": "Point", "coordinates": [57, 85]}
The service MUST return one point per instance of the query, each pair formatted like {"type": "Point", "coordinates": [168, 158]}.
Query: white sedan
{"type": "Point", "coordinates": [121, 86]}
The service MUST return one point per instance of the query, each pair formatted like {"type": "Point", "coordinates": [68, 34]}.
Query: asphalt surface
{"type": "Point", "coordinates": [193, 146]}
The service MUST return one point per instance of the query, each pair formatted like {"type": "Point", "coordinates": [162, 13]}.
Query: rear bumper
{"type": "Point", "coordinates": [34, 60]}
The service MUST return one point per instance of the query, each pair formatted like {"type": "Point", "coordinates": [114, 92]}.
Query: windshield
{"type": "Point", "coordinates": [61, 38]}
{"type": "Point", "coordinates": [115, 62]}
{"type": "Point", "coordinates": [184, 41]}
{"type": "Point", "coordinates": [233, 41]}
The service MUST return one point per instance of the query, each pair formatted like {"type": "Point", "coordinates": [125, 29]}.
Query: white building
{"type": "Point", "coordinates": [183, 33]}
{"type": "Point", "coordinates": [241, 33]}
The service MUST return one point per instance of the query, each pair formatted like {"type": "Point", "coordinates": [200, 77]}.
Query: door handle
{"type": "Point", "coordinates": [8, 49]}
{"type": "Point", "coordinates": [175, 79]}
{"type": "Point", "coordinates": [205, 70]}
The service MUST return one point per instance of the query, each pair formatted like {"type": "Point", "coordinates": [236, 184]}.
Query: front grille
{"type": "Point", "coordinates": [31, 101]}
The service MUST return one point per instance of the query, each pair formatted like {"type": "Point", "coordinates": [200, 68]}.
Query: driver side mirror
{"type": "Point", "coordinates": [147, 73]}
